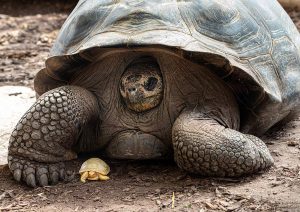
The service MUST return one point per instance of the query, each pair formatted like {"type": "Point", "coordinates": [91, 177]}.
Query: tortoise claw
{"type": "Point", "coordinates": [62, 174]}
{"type": "Point", "coordinates": [34, 173]}
{"type": "Point", "coordinates": [17, 175]}
{"type": "Point", "coordinates": [30, 180]}
{"type": "Point", "coordinates": [43, 180]}
{"type": "Point", "coordinates": [54, 174]}
{"type": "Point", "coordinates": [41, 175]}
{"type": "Point", "coordinates": [54, 177]}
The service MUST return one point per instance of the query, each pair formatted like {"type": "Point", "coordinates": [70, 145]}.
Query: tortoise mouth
{"type": "Point", "coordinates": [144, 104]}
{"type": "Point", "coordinates": [133, 144]}
{"type": "Point", "coordinates": [141, 84]}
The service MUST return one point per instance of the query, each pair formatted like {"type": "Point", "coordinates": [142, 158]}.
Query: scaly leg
{"type": "Point", "coordinates": [44, 137]}
{"type": "Point", "coordinates": [203, 146]}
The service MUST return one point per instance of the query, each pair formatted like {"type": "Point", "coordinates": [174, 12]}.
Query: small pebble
{"type": "Point", "coordinates": [292, 143]}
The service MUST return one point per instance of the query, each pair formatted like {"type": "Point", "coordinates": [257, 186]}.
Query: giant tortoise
{"type": "Point", "coordinates": [196, 80]}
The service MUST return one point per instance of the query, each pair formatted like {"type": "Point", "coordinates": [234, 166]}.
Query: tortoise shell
{"type": "Point", "coordinates": [95, 165]}
{"type": "Point", "coordinates": [252, 46]}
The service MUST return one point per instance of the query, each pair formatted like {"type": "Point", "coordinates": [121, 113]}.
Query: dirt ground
{"type": "Point", "coordinates": [27, 30]}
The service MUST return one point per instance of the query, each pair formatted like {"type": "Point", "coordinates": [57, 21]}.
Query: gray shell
{"type": "Point", "coordinates": [252, 44]}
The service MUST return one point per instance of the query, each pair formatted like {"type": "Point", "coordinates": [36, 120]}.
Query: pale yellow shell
{"type": "Point", "coordinates": [96, 165]}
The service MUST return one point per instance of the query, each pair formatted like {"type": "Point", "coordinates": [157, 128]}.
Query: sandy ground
{"type": "Point", "coordinates": [26, 33]}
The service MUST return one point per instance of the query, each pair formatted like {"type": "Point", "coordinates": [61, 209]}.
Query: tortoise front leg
{"type": "Point", "coordinates": [45, 135]}
{"type": "Point", "coordinates": [203, 146]}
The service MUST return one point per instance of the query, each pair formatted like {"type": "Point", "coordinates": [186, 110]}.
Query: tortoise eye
{"type": "Point", "coordinates": [151, 83]}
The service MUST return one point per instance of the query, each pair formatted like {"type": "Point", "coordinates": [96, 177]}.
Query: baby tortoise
{"type": "Point", "coordinates": [94, 169]}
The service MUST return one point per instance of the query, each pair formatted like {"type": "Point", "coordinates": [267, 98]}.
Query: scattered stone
{"type": "Point", "coordinates": [292, 143]}
{"type": "Point", "coordinates": [223, 203]}
{"type": "Point", "coordinates": [276, 153]}
{"type": "Point", "coordinates": [157, 191]}
{"type": "Point", "coordinates": [276, 183]}
{"type": "Point", "coordinates": [127, 199]}
{"type": "Point", "coordinates": [193, 188]}
{"type": "Point", "coordinates": [210, 206]}
{"type": "Point", "coordinates": [234, 206]}
{"type": "Point", "coordinates": [147, 184]}
{"type": "Point", "coordinates": [166, 203]}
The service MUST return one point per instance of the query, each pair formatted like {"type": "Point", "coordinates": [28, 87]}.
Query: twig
{"type": "Point", "coordinates": [173, 200]}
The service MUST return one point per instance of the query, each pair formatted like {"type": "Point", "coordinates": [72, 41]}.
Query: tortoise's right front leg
{"type": "Point", "coordinates": [44, 137]}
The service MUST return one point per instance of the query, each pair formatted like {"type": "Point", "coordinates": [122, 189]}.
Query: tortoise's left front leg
{"type": "Point", "coordinates": [203, 146]}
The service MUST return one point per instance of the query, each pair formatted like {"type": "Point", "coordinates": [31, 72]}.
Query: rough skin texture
{"type": "Point", "coordinates": [45, 135]}
{"type": "Point", "coordinates": [66, 120]}
{"type": "Point", "coordinates": [203, 146]}
{"type": "Point", "coordinates": [141, 85]}
{"type": "Point", "coordinates": [217, 57]}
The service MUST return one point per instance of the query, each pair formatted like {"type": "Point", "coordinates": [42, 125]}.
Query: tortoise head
{"type": "Point", "coordinates": [141, 84]}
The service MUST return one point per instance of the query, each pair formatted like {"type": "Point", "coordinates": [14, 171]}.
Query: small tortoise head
{"type": "Point", "coordinates": [141, 85]}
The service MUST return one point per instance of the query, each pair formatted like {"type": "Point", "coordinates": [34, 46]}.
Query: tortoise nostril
{"type": "Point", "coordinates": [131, 89]}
